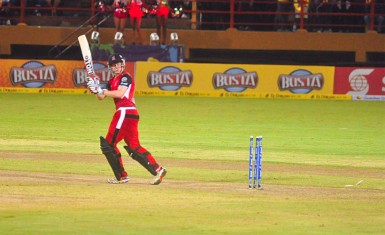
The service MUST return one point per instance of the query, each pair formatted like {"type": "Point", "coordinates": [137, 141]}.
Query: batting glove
{"type": "Point", "coordinates": [96, 89]}
{"type": "Point", "coordinates": [93, 78]}
{"type": "Point", "coordinates": [94, 86]}
{"type": "Point", "coordinates": [92, 83]}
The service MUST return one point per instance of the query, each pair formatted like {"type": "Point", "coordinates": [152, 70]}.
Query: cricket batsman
{"type": "Point", "coordinates": [124, 123]}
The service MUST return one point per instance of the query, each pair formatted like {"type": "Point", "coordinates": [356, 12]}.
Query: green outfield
{"type": "Point", "coordinates": [323, 167]}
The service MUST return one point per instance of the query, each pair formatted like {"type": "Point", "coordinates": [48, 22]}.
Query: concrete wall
{"type": "Point", "coordinates": [230, 39]}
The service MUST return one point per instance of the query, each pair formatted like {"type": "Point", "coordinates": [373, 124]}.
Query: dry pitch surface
{"type": "Point", "coordinates": [349, 192]}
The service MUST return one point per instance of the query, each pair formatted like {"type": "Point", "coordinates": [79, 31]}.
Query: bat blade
{"type": "Point", "coordinates": [86, 52]}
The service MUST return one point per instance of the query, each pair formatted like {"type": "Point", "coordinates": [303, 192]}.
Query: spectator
{"type": "Point", "coordinates": [283, 13]}
{"type": "Point", "coordinates": [379, 8]}
{"type": "Point", "coordinates": [346, 20]}
{"type": "Point", "coordinates": [320, 17]}
{"type": "Point", "coordinates": [120, 16]}
{"type": "Point", "coordinates": [54, 4]}
{"type": "Point", "coordinates": [37, 4]}
{"type": "Point", "coordinates": [245, 21]}
{"type": "Point", "coordinates": [356, 18]}
{"type": "Point", "coordinates": [215, 21]}
{"type": "Point", "coordinates": [301, 8]}
{"type": "Point", "coordinates": [136, 14]}
{"type": "Point", "coordinates": [161, 20]}
{"type": "Point", "coordinates": [5, 12]}
{"type": "Point", "coordinates": [314, 16]}
{"type": "Point", "coordinates": [266, 20]}
{"type": "Point", "coordinates": [220, 20]}
{"type": "Point", "coordinates": [186, 7]}
{"type": "Point", "coordinates": [202, 17]}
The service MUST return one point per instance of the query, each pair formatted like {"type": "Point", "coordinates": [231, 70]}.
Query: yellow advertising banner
{"type": "Point", "coordinates": [49, 76]}
{"type": "Point", "coordinates": [42, 74]}
{"type": "Point", "coordinates": [44, 90]}
{"type": "Point", "coordinates": [176, 79]}
{"type": "Point", "coordinates": [235, 80]}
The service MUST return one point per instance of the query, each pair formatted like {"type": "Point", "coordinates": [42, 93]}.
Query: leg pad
{"type": "Point", "coordinates": [141, 158]}
{"type": "Point", "coordinates": [112, 157]}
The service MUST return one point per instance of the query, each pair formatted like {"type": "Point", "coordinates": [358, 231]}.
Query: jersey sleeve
{"type": "Point", "coordinates": [126, 80]}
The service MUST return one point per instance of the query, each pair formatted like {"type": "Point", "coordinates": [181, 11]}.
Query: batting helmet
{"type": "Point", "coordinates": [115, 58]}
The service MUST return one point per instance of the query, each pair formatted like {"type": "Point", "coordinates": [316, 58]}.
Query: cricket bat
{"type": "Point", "coordinates": [86, 52]}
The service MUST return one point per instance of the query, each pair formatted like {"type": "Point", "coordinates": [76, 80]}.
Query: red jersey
{"type": "Point", "coordinates": [127, 100]}
{"type": "Point", "coordinates": [135, 9]}
{"type": "Point", "coordinates": [162, 8]}
{"type": "Point", "coordinates": [121, 9]}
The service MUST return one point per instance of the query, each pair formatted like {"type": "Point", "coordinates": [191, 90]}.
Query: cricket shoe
{"type": "Point", "coordinates": [121, 181]}
{"type": "Point", "coordinates": [159, 176]}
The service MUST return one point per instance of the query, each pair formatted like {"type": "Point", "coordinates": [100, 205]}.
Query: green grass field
{"type": "Point", "coordinates": [323, 167]}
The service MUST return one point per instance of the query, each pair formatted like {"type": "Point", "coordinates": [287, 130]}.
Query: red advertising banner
{"type": "Point", "coordinates": [359, 82]}
{"type": "Point", "coordinates": [29, 74]}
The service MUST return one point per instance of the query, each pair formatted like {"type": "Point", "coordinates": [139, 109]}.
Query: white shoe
{"type": "Point", "coordinates": [159, 177]}
{"type": "Point", "coordinates": [121, 181]}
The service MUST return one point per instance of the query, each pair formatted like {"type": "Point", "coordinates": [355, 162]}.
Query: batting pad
{"type": "Point", "coordinates": [112, 157]}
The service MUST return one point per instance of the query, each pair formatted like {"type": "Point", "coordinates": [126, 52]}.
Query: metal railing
{"type": "Point", "coordinates": [254, 15]}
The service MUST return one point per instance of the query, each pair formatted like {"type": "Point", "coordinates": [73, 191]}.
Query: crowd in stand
{"type": "Point", "coordinates": [330, 15]}
{"type": "Point", "coordinates": [316, 15]}
{"type": "Point", "coordinates": [286, 15]}
{"type": "Point", "coordinates": [40, 8]}
{"type": "Point", "coordinates": [256, 15]}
